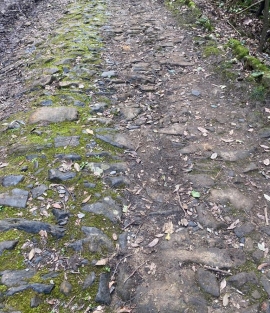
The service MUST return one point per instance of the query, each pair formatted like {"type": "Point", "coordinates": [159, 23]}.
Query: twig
{"type": "Point", "coordinates": [234, 27]}
{"type": "Point", "coordinates": [134, 271]}
{"type": "Point", "coordinates": [180, 203]}
{"type": "Point", "coordinates": [217, 270]}
{"type": "Point", "coordinates": [117, 265]}
{"type": "Point", "coordinates": [252, 5]}
{"type": "Point", "coordinates": [67, 305]}
{"type": "Point", "coordinates": [266, 216]}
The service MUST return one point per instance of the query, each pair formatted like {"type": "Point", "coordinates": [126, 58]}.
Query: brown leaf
{"type": "Point", "coordinates": [3, 164]}
{"type": "Point", "coordinates": [227, 140]}
{"type": "Point", "coordinates": [77, 167]}
{"type": "Point", "coordinates": [86, 199]}
{"type": "Point", "coordinates": [89, 131]}
{"type": "Point", "coordinates": [56, 206]}
{"type": "Point", "coordinates": [263, 265]}
{"type": "Point", "coordinates": [124, 310]}
{"type": "Point", "coordinates": [153, 243]}
{"type": "Point", "coordinates": [102, 262]}
{"type": "Point", "coordinates": [159, 235]}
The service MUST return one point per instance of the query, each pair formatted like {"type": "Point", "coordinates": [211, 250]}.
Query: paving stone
{"type": "Point", "coordinates": [12, 278]}
{"type": "Point", "coordinates": [234, 196]}
{"type": "Point", "coordinates": [55, 175]}
{"type": "Point", "coordinates": [8, 245]}
{"type": "Point", "coordinates": [89, 280]}
{"type": "Point", "coordinates": [117, 181]}
{"type": "Point", "coordinates": [117, 140]}
{"type": "Point", "coordinates": [107, 207]}
{"type": "Point", "coordinates": [125, 285]}
{"type": "Point", "coordinates": [19, 149]}
{"type": "Point", "coordinates": [234, 156]}
{"type": "Point", "coordinates": [265, 282]}
{"type": "Point", "coordinates": [175, 129]}
{"type": "Point", "coordinates": [103, 295]}
{"type": "Point", "coordinates": [38, 191]}
{"type": "Point", "coordinates": [65, 141]}
{"type": "Point", "coordinates": [12, 180]}
{"type": "Point", "coordinates": [72, 157]}
{"type": "Point", "coordinates": [208, 282]}
{"type": "Point", "coordinates": [207, 219]}
{"type": "Point", "coordinates": [16, 198]}
{"type": "Point", "coordinates": [243, 230]}
{"type": "Point", "coordinates": [39, 288]}
{"type": "Point", "coordinates": [53, 115]}
{"type": "Point", "coordinates": [243, 278]}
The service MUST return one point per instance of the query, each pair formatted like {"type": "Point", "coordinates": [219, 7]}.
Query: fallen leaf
{"type": "Point", "coordinates": [225, 300]}
{"type": "Point", "coordinates": [86, 199]}
{"type": "Point", "coordinates": [263, 265]}
{"type": "Point", "coordinates": [125, 208]}
{"type": "Point", "coordinates": [267, 197]}
{"type": "Point", "coordinates": [31, 254]}
{"type": "Point", "coordinates": [223, 284]}
{"type": "Point", "coordinates": [168, 236]}
{"type": "Point", "coordinates": [56, 206]}
{"type": "Point", "coordinates": [261, 246]}
{"type": "Point", "coordinates": [89, 131]}
{"type": "Point", "coordinates": [233, 225]}
{"type": "Point", "coordinates": [265, 147]}
{"type": "Point", "coordinates": [115, 237]}
{"type": "Point", "coordinates": [176, 188]}
{"type": "Point", "coordinates": [139, 239]}
{"type": "Point", "coordinates": [77, 167]}
{"type": "Point", "coordinates": [159, 235]}
{"type": "Point", "coordinates": [214, 156]}
{"type": "Point", "coordinates": [102, 262]}
{"type": "Point", "coordinates": [267, 110]}
{"type": "Point", "coordinates": [195, 194]}
{"type": "Point", "coordinates": [184, 222]}
{"type": "Point", "coordinates": [227, 140]}
{"type": "Point", "coordinates": [81, 215]}
{"type": "Point", "coordinates": [203, 130]}
{"type": "Point", "coordinates": [124, 310]}
{"type": "Point", "coordinates": [168, 228]}
{"type": "Point", "coordinates": [266, 162]}
{"type": "Point", "coordinates": [153, 243]}
{"type": "Point", "coordinates": [3, 164]}
{"type": "Point", "coordinates": [126, 48]}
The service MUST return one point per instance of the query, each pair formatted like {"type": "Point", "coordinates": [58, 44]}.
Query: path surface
{"type": "Point", "coordinates": [133, 179]}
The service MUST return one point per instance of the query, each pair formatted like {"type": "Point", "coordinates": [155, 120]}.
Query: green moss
{"type": "Point", "coordinates": [254, 64]}
{"type": "Point", "coordinates": [239, 50]}
{"type": "Point", "coordinates": [211, 50]}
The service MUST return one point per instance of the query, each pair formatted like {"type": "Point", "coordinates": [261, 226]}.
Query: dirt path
{"type": "Point", "coordinates": [137, 149]}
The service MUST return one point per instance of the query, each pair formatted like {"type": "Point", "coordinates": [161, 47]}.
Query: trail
{"type": "Point", "coordinates": [141, 156]}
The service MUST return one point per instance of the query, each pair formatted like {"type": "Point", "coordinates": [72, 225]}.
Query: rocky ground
{"type": "Point", "coordinates": [134, 168]}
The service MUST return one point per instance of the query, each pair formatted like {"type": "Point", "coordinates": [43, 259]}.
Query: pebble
{"type": "Point", "coordinates": [208, 282]}
{"type": "Point", "coordinates": [103, 295]}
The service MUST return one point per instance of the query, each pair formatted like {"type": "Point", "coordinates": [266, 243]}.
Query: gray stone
{"type": "Point", "coordinates": [206, 219]}
{"type": "Point", "coordinates": [65, 287]}
{"type": "Point", "coordinates": [11, 278]}
{"type": "Point", "coordinates": [89, 185]}
{"type": "Point", "coordinates": [116, 140]}
{"type": "Point", "coordinates": [175, 59]}
{"type": "Point", "coordinates": [122, 240]}
{"type": "Point", "coordinates": [12, 180]}
{"type": "Point", "coordinates": [15, 198]}
{"type": "Point", "coordinates": [107, 168]}
{"type": "Point", "coordinates": [65, 141]}
{"type": "Point", "coordinates": [103, 295]}
{"type": "Point", "coordinates": [250, 167]}
{"type": "Point", "coordinates": [265, 133]}
{"type": "Point", "coordinates": [235, 197]}
{"type": "Point", "coordinates": [117, 181]}
{"type": "Point", "coordinates": [32, 227]}
{"type": "Point", "coordinates": [108, 207]}
{"type": "Point", "coordinates": [130, 113]}
{"type": "Point", "coordinates": [208, 282]}
{"type": "Point", "coordinates": [95, 241]}
{"type": "Point", "coordinates": [98, 107]}
{"type": "Point", "coordinates": [201, 180]}
{"type": "Point", "coordinates": [35, 302]}
{"type": "Point", "coordinates": [235, 155]}
{"type": "Point", "coordinates": [242, 278]}
{"type": "Point", "coordinates": [243, 230]}
{"type": "Point", "coordinates": [40, 288]}
{"type": "Point", "coordinates": [195, 93]}
{"type": "Point", "coordinates": [55, 175]}
{"type": "Point", "coordinates": [43, 81]}
{"type": "Point", "coordinates": [8, 245]}
{"type": "Point", "coordinates": [53, 115]}
{"type": "Point", "coordinates": [89, 280]}
{"type": "Point", "coordinates": [38, 191]}
{"type": "Point", "coordinates": [125, 284]}
{"type": "Point", "coordinates": [209, 256]}
{"type": "Point", "coordinates": [266, 284]}
{"type": "Point", "coordinates": [72, 157]}
{"type": "Point", "coordinates": [46, 103]}
{"type": "Point", "coordinates": [109, 74]}
{"type": "Point", "coordinates": [19, 149]}
{"type": "Point", "coordinates": [79, 103]}
{"type": "Point", "coordinates": [175, 129]}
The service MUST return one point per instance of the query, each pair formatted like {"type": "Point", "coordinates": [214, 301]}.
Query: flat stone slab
{"type": "Point", "coordinates": [12, 278]}
{"type": "Point", "coordinates": [174, 129]}
{"type": "Point", "coordinates": [12, 180]}
{"type": "Point", "coordinates": [95, 241]}
{"type": "Point", "coordinates": [55, 175]}
{"type": "Point", "coordinates": [234, 196]}
{"type": "Point", "coordinates": [7, 245]}
{"type": "Point", "coordinates": [39, 288]}
{"type": "Point", "coordinates": [54, 115]}
{"type": "Point", "coordinates": [16, 198]}
{"type": "Point", "coordinates": [38, 191]}
{"type": "Point", "coordinates": [64, 141]}
{"type": "Point", "coordinates": [175, 59]}
{"type": "Point", "coordinates": [208, 282]}
{"type": "Point", "coordinates": [234, 156]}
{"type": "Point", "coordinates": [32, 227]}
{"type": "Point", "coordinates": [103, 295]}
{"type": "Point", "coordinates": [107, 207]}
{"type": "Point", "coordinates": [117, 140]}
{"type": "Point", "coordinates": [222, 258]}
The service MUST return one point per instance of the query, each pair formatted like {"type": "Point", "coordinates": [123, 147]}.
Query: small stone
{"type": "Point", "coordinates": [195, 93]}
{"type": "Point", "coordinates": [98, 107]}
{"type": "Point", "coordinates": [53, 115]}
{"type": "Point", "coordinates": [265, 133]}
{"type": "Point", "coordinates": [236, 155]}
{"type": "Point", "coordinates": [175, 129]}
{"type": "Point", "coordinates": [71, 157]}
{"type": "Point", "coordinates": [256, 295]}
{"type": "Point", "coordinates": [12, 278]}
{"type": "Point", "coordinates": [117, 140]}
{"type": "Point", "coordinates": [103, 295]}
{"type": "Point", "coordinates": [266, 284]}
{"type": "Point", "coordinates": [117, 181]}
{"type": "Point", "coordinates": [208, 282]}
{"type": "Point", "coordinates": [38, 191]}
{"type": "Point", "coordinates": [89, 280]}
{"type": "Point", "coordinates": [35, 302]}
{"type": "Point", "coordinates": [46, 103]}
{"type": "Point", "coordinates": [65, 141]}
{"type": "Point", "coordinates": [79, 103]}
{"type": "Point", "coordinates": [7, 245]}
{"type": "Point", "coordinates": [202, 180]}
{"type": "Point", "coordinates": [242, 278]}
{"type": "Point", "coordinates": [55, 175]}
{"type": "Point", "coordinates": [243, 230]}
{"type": "Point", "coordinates": [108, 74]}
{"type": "Point", "coordinates": [89, 185]}
{"type": "Point", "coordinates": [250, 167]}
{"type": "Point", "coordinates": [12, 180]}
{"type": "Point", "coordinates": [124, 287]}
{"type": "Point", "coordinates": [65, 287]}
{"type": "Point", "coordinates": [16, 198]}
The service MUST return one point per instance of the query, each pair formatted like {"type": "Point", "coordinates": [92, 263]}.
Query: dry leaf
{"type": "Point", "coordinates": [126, 48]}
{"type": "Point", "coordinates": [203, 130]}
{"type": "Point", "coordinates": [89, 131]}
{"type": "Point", "coordinates": [168, 228]}
{"type": "Point", "coordinates": [263, 265]}
{"type": "Point", "coordinates": [184, 222]}
{"type": "Point", "coordinates": [227, 140]}
{"type": "Point", "coordinates": [153, 243]}
{"type": "Point", "coordinates": [114, 236]}
{"type": "Point", "coordinates": [168, 237]}
{"type": "Point", "coordinates": [225, 300]}
{"type": "Point", "coordinates": [233, 225]}
{"type": "Point", "coordinates": [56, 206]}
{"type": "Point", "coordinates": [102, 262]}
{"type": "Point", "coordinates": [267, 110]}
{"type": "Point", "coordinates": [124, 310]}
{"type": "Point", "coordinates": [31, 254]}
{"type": "Point", "coordinates": [77, 167]}
{"type": "Point", "coordinates": [3, 164]}
{"type": "Point", "coordinates": [159, 235]}
{"type": "Point", "coordinates": [223, 284]}
{"type": "Point", "coordinates": [265, 147]}
{"type": "Point", "coordinates": [86, 199]}
{"type": "Point", "coordinates": [267, 197]}
{"type": "Point", "coordinates": [139, 239]}
{"type": "Point", "coordinates": [214, 156]}
{"type": "Point", "coordinates": [266, 162]}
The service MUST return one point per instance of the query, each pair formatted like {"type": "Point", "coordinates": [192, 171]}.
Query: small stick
{"type": "Point", "coordinates": [249, 7]}
{"type": "Point", "coordinates": [234, 28]}
{"type": "Point", "coordinates": [180, 203]}
{"type": "Point", "coordinates": [217, 270]}
{"type": "Point", "coordinates": [67, 305]}
{"type": "Point", "coordinates": [134, 272]}
{"type": "Point", "coordinates": [266, 216]}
